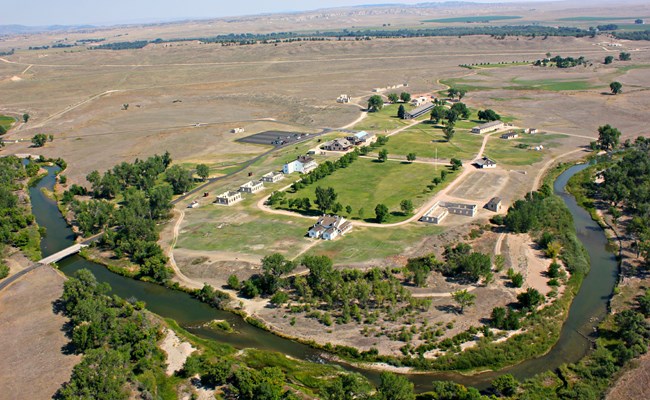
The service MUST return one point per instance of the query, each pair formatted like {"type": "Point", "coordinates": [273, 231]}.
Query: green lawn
{"type": "Point", "coordinates": [551, 85]}
{"type": "Point", "coordinates": [482, 18]}
{"type": "Point", "coordinates": [363, 244]}
{"type": "Point", "coordinates": [507, 152]}
{"type": "Point", "coordinates": [6, 121]}
{"type": "Point", "coordinates": [366, 183]}
{"type": "Point", "coordinates": [384, 120]}
{"type": "Point", "coordinates": [427, 141]}
{"type": "Point", "coordinates": [219, 228]}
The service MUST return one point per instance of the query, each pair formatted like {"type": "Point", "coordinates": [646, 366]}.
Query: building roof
{"type": "Point", "coordinates": [317, 228]}
{"type": "Point", "coordinates": [422, 108]}
{"type": "Point", "coordinates": [251, 184]}
{"type": "Point", "coordinates": [488, 125]}
{"type": "Point", "coordinates": [341, 142]}
{"type": "Point", "coordinates": [272, 174]}
{"type": "Point", "coordinates": [361, 135]}
{"type": "Point", "coordinates": [229, 193]}
{"type": "Point", "coordinates": [304, 159]}
{"type": "Point", "coordinates": [494, 201]}
{"type": "Point", "coordinates": [486, 161]}
{"type": "Point", "coordinates": [510, 134]}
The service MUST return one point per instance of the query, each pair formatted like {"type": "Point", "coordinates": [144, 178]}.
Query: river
{"type": "Point", "coordinates": [589, 305]}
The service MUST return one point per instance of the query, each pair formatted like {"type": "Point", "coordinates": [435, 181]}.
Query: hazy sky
{"type": "Point", "coordinates": [71, 12]}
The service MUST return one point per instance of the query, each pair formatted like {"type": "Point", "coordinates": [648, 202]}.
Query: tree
{"type": "Point", "coordinates": [405, 97]}
{"type": "Point", "coordinates": [347, 387]}
{"type": "Point", "coordinates": [488, 115]}
{"type": "Point", "coordinates": [279, 298]}
{"type": "Point", "coordinates": [438, 113]}
{"type": "Point", "coordinates": [451, 116]}
{"type": "Point", "coordinates": [375, 103]}
{"type": "Point", "coordinates": [202, 171]}
{"type": "Point", "coordinates": [449, 132]}
{"type": "Point", "coordinates": [456, 164]}
{"type": "Point", "coordinates": [616, 87]}
{"type": "Point", "coordinates": [553, 249]}
{"type": "Point", "coordinates": [180, 178]}
{"type": "Point", "coordinates": [608, 137]}
{"type": "Point", "coordinates": [609, 59]}
{"type": "Point", "coordinates": [461, 94]}
{"type": "Point", "coordinates": [25, 118]}
{"type": "Point", "coordinates": [624, 56]}
{"type": "Point", "coordinates": [530, 299]}
{"type": "Point", "coordinates": [464, 299]}
{"type": "Point", "coordinates": [3, 130]}
{"type": "Point", "coordinates": [452, 92]}
{"type": "Point", "coordinates": [505, 385]}
{"type": "Point", "coordinates": [39, 140]}
{"type": "Point", "coordinates": [325, 198]}
{"type": "Point", "coordinates": [348, 209]}
{"type": "Point", "coordinates": [100, 375]}
{"type": "Point", "coordinates": [393, 97]}
{"type": "Point", "coordinates": [401, 111]}
{"type": "Point", "coordinates": [461, 109]}
{"type": "Point", "coordinates": [233, 282]}
{"type": "Point", "coordinates": [410, 157]}
{"type": "Point", "coordinates": [406, 206]}
{"type": "Point", "coordinates": [394, 387]}
{"type": "Point", "coordinates": [381, 213]}
{"type": "Point", "coordinates": [517, 280]}
{"type": "Point", "coordinates": [383, 155]}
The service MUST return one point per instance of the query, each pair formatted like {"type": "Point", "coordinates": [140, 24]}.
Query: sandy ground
{"type": "Point", "coordinates": [525, 257]}
{"type": "Point", "coordinates": [176, 350]}
{"type": "Point", "coordinates": [33, 358]}
{"type": "Point", "coordinates": [633, 384]}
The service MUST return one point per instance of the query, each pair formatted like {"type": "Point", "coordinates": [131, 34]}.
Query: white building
{"type": "Point", "coordinates": [228, 198]}
{"type": "Point", "coordinates": [486, 163]}
{"type": "Point", "coordinates": [303, 165]}
{"type": "Point", "coordinates": [488, 127]}
{"type": "Point", "coordinates": [329, 227]}
{"type": "Point", "coordinates": [344, 98]}
{"type": "Point", "coordinates": [272, 177]}
{"type": "Point", "coordinates": [251, 187]}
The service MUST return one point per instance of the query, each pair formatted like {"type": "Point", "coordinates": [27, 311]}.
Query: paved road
{"type": "Point", "coordinates": [15, 277]}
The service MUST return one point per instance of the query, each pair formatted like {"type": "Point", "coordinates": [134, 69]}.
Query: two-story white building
{"type": "Point", "coordinates": [303, 165]}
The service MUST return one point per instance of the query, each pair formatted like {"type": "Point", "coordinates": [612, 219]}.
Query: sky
{"type": "Point", "coordinates": [106, 12]}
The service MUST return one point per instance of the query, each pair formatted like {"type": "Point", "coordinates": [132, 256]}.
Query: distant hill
{"type": "Point", "coordinates": [22, 29]}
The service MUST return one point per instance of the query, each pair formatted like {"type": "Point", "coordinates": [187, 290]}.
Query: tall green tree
{"type": "Point", "coordinates": [394, 387]}
{"type": "Point", "coordinates": [25, 118]}
{"type": "Point", "coordinates": [401, 111]}
{"type": "Point", "coordinates": [488, 115]}
{"type": "Point", "coordinates": [624, 56]}
{"type": "Point", "coordinates": [609, 59]}
{"type": "Point", "coordinates": [39, 140]}
{"type": "Point", "coordinates": [438, 113]}
{"type": "Point", "coordinates": [406, 206]}
{"type": "Point", "coordinates": [325, 198]}
{"type": "Point", "coordinates": [616, 87]}
{"type": "Point", "coordinates": [381, 213]}
{"type": "Point", "coordinates": [383, 155]}
{"type": "Point", "coordinates": [608, 137]}
{"type": "Point", "coordinates": [393, 97]}
{"type": "Point", "coordinates": [449, 132]}
{"type": "Point", "coordinates": [180, 178]}
{"type": "Point", "coordinates": [410, 157]}
{"type": "Point", "coordinates": [202, 171]}
{"type": "Point", "coordinates": [405, 97]}
{"type": "Point", "coordinates": [375, 103]}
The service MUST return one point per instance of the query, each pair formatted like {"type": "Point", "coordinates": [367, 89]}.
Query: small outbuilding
{"type": "Point", "coordinates": [510, 135]}
{"type": "Point", "coordinates": [486, 162]}
{"type": "Point", "coordinates": [494, 204]}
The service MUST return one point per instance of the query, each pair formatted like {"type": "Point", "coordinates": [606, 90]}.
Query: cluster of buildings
{"type": "Point", "coordinates": [344, 98]}
{"type": "Point", "coordinates": [442, 209]}
{"type": "Point", "coordinates": [329, 227]}
{"type": "Point", "coordinates": [231, 197]}
{"type": "Point", "coordinates": [344, 144]}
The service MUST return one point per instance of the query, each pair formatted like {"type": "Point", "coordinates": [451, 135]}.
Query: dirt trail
{"type": "Point", "coordinates": [548, 164]}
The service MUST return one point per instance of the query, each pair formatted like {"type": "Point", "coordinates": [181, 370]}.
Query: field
{"type": "Point", "coordinates": [366, 183]}
{"type": "Point", "coordinates": [383, 120]}
{"type": "Point", "coordinates": [507, 151]}
{"type": "Point", "coordinates": [6, 122]}
{"type": "Point", "coordinates": [482, 18]}
{"type": "Point", "coordinates": [427, 141]}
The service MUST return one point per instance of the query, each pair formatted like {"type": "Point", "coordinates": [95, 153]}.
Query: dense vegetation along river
{"type": "Point", "coordinates": [589, 306]}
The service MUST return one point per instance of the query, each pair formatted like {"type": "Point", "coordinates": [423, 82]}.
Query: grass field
{"type": "Point", "coordinates": [215, 228]}
{"type": "Point", "coordinates": [364, 244]}
{"type": "Point", "coordinates": [367, 183]}
{"type": "Point", "coordinates": [507, 152]}
{"type": "Point", "coordinates": [384, 120]}
{"type": "Point", "coordinates": [550, 85]}
{"type": "Point", "coordinates": [427, 141]}
{"type": "Point", "coordinates": [6, 121]}
{"type": "Point", "coordinates": [482, 18]}
{"type": "Point", "coordinates": [590, 19]}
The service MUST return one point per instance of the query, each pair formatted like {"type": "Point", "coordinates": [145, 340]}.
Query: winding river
{"type": "Point", "coordinates": [589, 306]}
